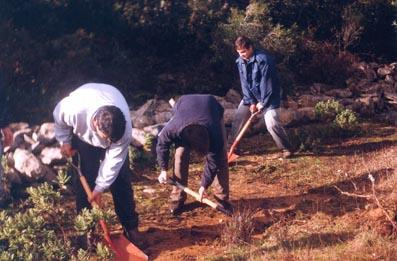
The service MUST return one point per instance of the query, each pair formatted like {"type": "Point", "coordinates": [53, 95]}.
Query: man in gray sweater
{"type": "Point", "coordinates": [94, 120]}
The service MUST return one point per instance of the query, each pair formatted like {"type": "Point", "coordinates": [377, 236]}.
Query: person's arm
{"type": "Point", "coordinates": [266, 86]}
{"type": "Point", "coordinates": [164, 142]}
{"type": "Point", "coordinates": [110, 167]}
{"type": "Point", "coordinates": [63, 120]}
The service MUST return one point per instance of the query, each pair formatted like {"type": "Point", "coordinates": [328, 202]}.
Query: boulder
{"type": "Point", "coordinates": [29, 166]}
{"type": "Point", "coordinates": [138, 137]}
{"type": "Point", "coordinates": [51, 155]}
{"type": "Point", "coordinates": [228, 116]}
{"type": "Point", "coordinates": [154, 130]}
{"type": "Point", "coordinates": [45, 134]}
{"type": "Point", "coordinates": [233, 97]}
{"type": "Point", "coordinates": [144, 116]}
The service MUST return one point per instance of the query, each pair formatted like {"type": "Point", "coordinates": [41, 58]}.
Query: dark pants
{"type": "Point", "coordinates": [123, 196]}
{"type": "Point", "coordinates": [181, 172]}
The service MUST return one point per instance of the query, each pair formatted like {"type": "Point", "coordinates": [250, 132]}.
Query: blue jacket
{"type": "Point", "coordinates": [259, 80]}
{"type": "Point", "coordinates": [194, 109]}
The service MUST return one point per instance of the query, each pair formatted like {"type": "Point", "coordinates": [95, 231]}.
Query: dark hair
{"type": "Point", "coordinates": [197, 138]}
{"type": "Point", "coordinates": [111, 121]}
{"type": "Point", "coordinates": [243, 42]}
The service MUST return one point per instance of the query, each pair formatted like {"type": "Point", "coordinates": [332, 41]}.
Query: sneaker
{"type": "Point", "coordinates": [176, 207]}
{"type": "Point", "coordinates": [135, 237]}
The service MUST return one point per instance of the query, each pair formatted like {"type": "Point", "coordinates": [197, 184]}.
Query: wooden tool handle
{"type": "Point", "coordinates": [241, 133]}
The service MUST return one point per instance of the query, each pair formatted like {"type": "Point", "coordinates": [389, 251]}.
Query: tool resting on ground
{"type": "Point", "coordinates": [197, 197]}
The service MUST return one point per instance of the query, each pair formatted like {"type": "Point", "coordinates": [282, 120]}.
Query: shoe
{"type": "Point", "coordinates": [287, 154]}
{"type": "Point", "coordinates": [176, 207]}
{"type": "Point", "coordinates": [225, 206]}
{"type": "Point", "coordinates": [135, 237]}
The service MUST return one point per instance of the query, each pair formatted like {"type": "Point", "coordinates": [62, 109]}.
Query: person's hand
{"type": "Point", "coordinates": [253, 108]}
{"type": "Point", "coordinates": [201, 193]}
{"type": "Point", "coordinates": [162, 178]}
{"type": "Point", "coordinates": [67, 151]}
{"type": "Point", "coordinates": [96, 197]}
{"type": "Point", "coordinates": [7, 136]}
{"type": "Point", "coordinates": [260, 106]}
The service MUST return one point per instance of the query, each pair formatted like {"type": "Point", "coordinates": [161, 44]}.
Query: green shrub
{"type": "Point", "coordinates": [41, 227]}
{"type": "Point", "coordinates": [346, 120]}
{"type": "Point", "coordinates": [327, 110]}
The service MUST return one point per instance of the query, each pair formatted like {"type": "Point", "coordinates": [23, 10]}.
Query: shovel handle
{"type": "Point", "coordinates": [197, 196]}
{"type": "Point", "coordinates": [241, 133]}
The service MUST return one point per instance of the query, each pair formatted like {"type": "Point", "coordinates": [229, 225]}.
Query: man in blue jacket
{"type": "Point", "coordinates": [196, 124]}
{"type": "Point", "coordinates": [261, 91]}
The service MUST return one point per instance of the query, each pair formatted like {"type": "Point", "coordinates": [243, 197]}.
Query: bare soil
{"type": "Point", "coordinates": [300, 213]}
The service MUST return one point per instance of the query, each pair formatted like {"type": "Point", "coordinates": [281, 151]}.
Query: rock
{"type": "Point", "coordinates": [28, 165]}
{"type": "Point", "coordinates": [306, 114]}
{"type": "Point", "coordinates": [144, 116]}
{"type": "Point", "coordinates": [228, 116]}
{"type": "Point", "coordinates": [46, 133]}
{"type": "Point", "coordinates": [307, 100]}
{"type": "Point", "coordinates": [287, 116]}
{"type": "Point", "coordinates": [51, 155]}
{"type": "Point", "coordinates": [152, 112]}
{"type": "Point", "coordinates": [226, 104]}
{"type": "Point", "coordinates": [162, 117]}
{"type": "Point", "coordinates": [339, 93]}
{"type": "Point", "coordinates": [138, 137]}
{"type": "Point", "coordinates": [154, 130]}
{"type": "Point", "coordinates": [386, 70]}
{"type": "Point", "coordinates": [389, 79]}
{"type": "Point", "coordinates": [233, 97]}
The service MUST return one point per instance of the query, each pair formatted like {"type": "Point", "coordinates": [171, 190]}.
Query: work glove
{"type": "Point", "coordinates": [259, 106]}
{"type": "Point", "coordinates": [67, 150]}
{"type": "Point", "coordinates": [201, 193]}
{"type": "Point", "coordinates": [162, 178]}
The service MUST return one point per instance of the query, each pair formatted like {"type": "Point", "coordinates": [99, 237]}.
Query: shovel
{"type": "Point", "coordinates": [197, 196]}
{"type": "Point", "coordinates": [123, 249]}
{"type": "Point", "coordinates": [231, 156]}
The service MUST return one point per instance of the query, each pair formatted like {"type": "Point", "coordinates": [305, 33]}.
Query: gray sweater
{"type": "Point", "coordinates": [73, 115]}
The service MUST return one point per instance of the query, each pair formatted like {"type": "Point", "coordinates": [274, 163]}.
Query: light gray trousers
{"type": "Point", "coordinates": [272, 122]}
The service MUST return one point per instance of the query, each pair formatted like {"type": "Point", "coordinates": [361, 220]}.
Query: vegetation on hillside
{"type": "Point", "coordinates": [165, 47]}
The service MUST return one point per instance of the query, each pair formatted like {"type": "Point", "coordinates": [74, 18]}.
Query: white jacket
{"type": "Point", "coordinates": [73, 115]}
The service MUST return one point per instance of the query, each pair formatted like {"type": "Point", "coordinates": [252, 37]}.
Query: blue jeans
{"type": "Point", "coordinates": [272, 121]}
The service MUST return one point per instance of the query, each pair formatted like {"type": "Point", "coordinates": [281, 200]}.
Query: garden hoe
{"type": "Point", "coordinates": [231, 156]}
{"type": "Point", "coordinates": [197, 196]}
{"type": "Point", "coordinates": [123, 249]}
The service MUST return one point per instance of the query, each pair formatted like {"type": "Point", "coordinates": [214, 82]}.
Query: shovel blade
{"type": "Point", "coordinates": [232, 157]}
{"type": "Point", "coordinates": [126, 251]}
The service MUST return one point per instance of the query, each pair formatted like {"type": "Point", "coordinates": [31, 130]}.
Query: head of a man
{"type": "Point", "coordinates": [244, 47]}
{"type": "Point", "coordinates": [109, 123]}
{"type": "Point", "coordinates": [197, 138]}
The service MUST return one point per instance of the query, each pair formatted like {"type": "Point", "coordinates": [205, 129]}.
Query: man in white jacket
{"type": "Point", "coordinates": [94, 120]}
